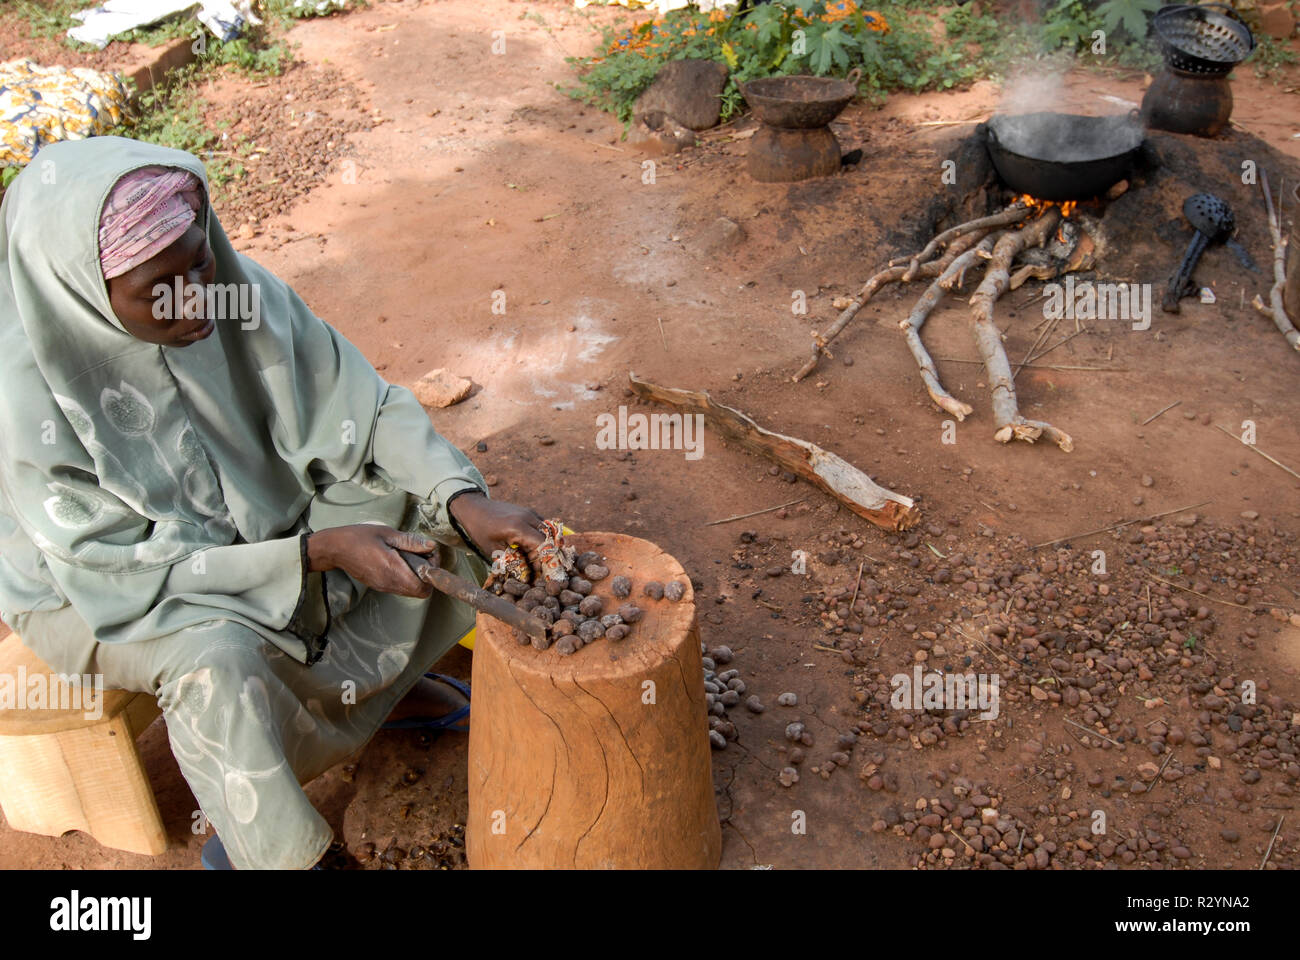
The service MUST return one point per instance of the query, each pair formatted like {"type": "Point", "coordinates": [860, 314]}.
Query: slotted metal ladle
{"type": "Point", "coordinates": [1212, 219]}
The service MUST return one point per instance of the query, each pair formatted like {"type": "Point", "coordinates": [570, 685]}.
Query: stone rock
{"type": "Point", "coordinates": [685, 91]}
{"type": "Point", "coordinates": [720, 236]}
{"type": "Point", "coordinates": [441, 388]}
{"type": "Point", "coordinates": [667, 137]}
{"type": "Point", "coordinates": [1276, 20]}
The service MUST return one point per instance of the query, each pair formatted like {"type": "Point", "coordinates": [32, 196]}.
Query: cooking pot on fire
{"type": "Point", "coordinates": [1063, 156]}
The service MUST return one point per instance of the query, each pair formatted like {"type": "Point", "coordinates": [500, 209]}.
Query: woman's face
{"type": "Point", "coordinates": [150, 314]}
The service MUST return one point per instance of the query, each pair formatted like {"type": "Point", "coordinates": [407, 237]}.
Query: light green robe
{"type": "Point", "coordinates": [152, 500]}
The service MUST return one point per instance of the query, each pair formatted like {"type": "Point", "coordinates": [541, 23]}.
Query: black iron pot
{"type": "Point", "coordinates": [1062, 156]}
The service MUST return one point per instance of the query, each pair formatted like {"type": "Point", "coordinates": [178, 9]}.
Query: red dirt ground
{"type": "Point", "coordinates": [484, 177]}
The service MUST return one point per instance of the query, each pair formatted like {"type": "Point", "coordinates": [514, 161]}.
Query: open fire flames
{"type": "Point", "coordinates": [1038, 207]}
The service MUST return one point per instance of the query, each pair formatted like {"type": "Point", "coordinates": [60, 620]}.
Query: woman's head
{"type": "Point", "coordinates": [152, 249]}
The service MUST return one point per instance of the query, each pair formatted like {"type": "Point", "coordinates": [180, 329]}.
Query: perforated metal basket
{"type": "Point", "coordinates": [1201, 40]}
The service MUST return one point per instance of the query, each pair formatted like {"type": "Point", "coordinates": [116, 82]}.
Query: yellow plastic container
{"type": "Point", "coordinates": [467, 641]}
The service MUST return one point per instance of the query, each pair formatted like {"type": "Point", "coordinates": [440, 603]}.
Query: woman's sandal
{"type": "Point", "coordinates": [451, 721]}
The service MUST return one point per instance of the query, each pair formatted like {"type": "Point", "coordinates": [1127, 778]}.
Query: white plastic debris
{"type": "Point", "coordinates": [119, 16]}
{"type": "Point", "coordinates": [225, 18]}
{"type": "Point", "coordinates": [1207, 295]}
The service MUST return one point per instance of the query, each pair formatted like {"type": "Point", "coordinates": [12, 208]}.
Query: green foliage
{"type": "Point", "coordinates": [1131, 16]}
{"type": "Point", "coordinates": [172, 118]}
{"type": "Point", "coordinates": [799, 36]}
{"type": "Point", "coordinates": [158, 34]}
{"type": "Point", "coordinates": [962, 24]}
{"type": "Point", "coordinates": [47, 18]}
{"type": "Point", "coordinates": [251, 55]}
{"type": "Point", "coordinates": [1070, 24]}
{"type": "Point", "coordinates": [304, 9]}
{"type": "Point", "coordinates": [1271, 55]}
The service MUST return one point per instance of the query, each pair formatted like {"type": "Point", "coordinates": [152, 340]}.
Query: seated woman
{"type": "Point", "coordinates": [206, 503]}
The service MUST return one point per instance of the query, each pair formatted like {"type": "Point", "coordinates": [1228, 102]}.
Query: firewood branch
{"type": "Point", "coordinates": [836, 476]}
{"type": "Point", "coordinates": [891, 274]}
{"type": "Point", "coordinates": [1008, 422]}
{"type": "Point", "coordinates": [1013, 214]}
{"type": "Point", "coordinates": [912, 323]}
{"type": "Point", "coordinates": [1275, 310]}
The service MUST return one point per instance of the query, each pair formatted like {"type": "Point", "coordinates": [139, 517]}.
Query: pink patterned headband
{"type": "Point", "coordinates": [146, 212]}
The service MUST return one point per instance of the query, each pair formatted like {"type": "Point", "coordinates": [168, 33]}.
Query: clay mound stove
{"type": "Point", "coordinates": [1059, 171]}
{"type": "Point", "coordinates": [1201, 47]}
{"type": "Point", "coordinates": [795, 141]}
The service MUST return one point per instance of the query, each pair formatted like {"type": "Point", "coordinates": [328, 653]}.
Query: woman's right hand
{"type": "Point", "coordinates": [368, 553]}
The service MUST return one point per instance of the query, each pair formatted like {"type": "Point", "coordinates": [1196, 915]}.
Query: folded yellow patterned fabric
{"type": "Point", "coordinates": [40, 105]}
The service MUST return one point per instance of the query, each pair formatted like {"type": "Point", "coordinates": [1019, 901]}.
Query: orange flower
{"type": "Point", "coordinates": [839, 10]}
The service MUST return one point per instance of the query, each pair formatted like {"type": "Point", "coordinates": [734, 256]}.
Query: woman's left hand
{"type": "Point", "coordinates": [496, 525]}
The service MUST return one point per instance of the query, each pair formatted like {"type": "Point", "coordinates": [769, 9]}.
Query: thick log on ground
{"type": "Point", "coordinates": [833, 474]}
{"type": "Point", "coordinates": [599, 759]}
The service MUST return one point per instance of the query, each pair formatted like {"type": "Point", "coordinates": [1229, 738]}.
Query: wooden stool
{"type": "Point", "coordinates": [61, 771]}
{"type": "Point", "coordinates": [600, 759]}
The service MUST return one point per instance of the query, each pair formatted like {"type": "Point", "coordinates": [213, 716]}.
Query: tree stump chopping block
{"type": "Point", "coordinates": [598, 759]}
